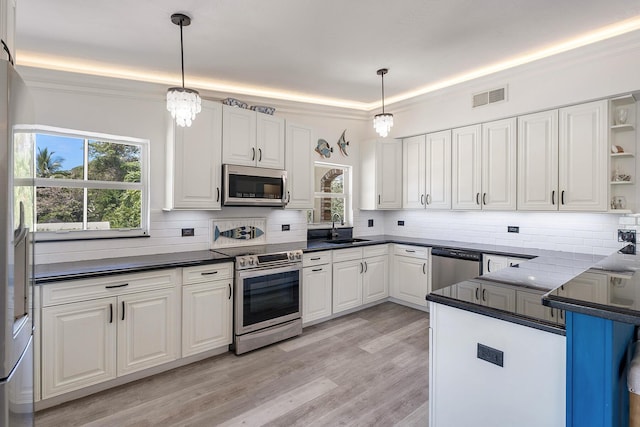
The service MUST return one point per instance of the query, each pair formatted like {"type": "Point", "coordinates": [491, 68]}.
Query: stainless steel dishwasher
{"type": "Point", "coordinates": [450, 266]}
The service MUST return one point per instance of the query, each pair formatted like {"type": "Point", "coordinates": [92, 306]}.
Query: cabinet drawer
{"type": "Point", "coordinates": [107, 286]}
{"type": "Point", "coordinates": [316, 258]}
{"type": "Point", "coordinates": [377, 250]}
{"type": "Point", "coordinates": [207, 273]}
{"type": "Point", "coordinates": [347, 254]}
{"type": "Point", "coordinates": [412, 251]}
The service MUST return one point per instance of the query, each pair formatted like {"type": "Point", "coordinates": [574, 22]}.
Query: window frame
{"type": "Point", "coordinates": [85, 183]}
{"type": "Point", "coordinates": [346, 195]}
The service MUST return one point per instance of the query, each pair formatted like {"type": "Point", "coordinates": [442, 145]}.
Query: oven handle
{"type": "Point", "coordinates": [256, 272]}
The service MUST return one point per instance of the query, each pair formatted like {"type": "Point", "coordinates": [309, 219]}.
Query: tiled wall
{"type": "Point", "coordinates": [571, 232]}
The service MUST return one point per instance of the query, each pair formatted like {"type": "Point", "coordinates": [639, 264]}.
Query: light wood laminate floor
{"type": "Point", "coordinates": [368, 368]}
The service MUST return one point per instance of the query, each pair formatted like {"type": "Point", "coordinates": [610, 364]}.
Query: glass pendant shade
{"type": "Point", "coordinates": [183, 104]}
{"type": "Point", "coordinates": [382, 123]}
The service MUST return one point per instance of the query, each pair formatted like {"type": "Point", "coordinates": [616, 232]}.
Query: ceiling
{"type": "Point", "coordinates": [325, 52]}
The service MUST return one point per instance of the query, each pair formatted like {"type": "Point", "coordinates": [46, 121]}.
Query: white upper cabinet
{"type": "Point", "coordinates": [413, 172]}
{"type": "Point", "coordinates": [194, 161]}
{"type": "Point", "coordinates": [583, 155]}
{"type": "Point", "coordinates": [499, 165]}
{"type": "Point", "coordinates": [252, 139]}
{"type": "Point", "coordinates": [299, 166]}
{"type": "Point", "coordinates": [426, 171]}
{"type": "Point", "coordinates": [381, 178]}
{"type": "Point", "coordinates": [438, 170]}
{"type": "Point", "coordinates": [538, 161]}
{"type": "Point", "coordinates": [270, 141]}
{"type": "Point", "coordinates": [466, 157]}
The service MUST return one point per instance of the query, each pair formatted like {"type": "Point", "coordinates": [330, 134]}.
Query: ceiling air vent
{"type": "Point", "coordinates": [489, 97]}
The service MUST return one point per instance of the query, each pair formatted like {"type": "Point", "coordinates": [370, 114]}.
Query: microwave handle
{"type": "Point", "coordinates": [284, 190]}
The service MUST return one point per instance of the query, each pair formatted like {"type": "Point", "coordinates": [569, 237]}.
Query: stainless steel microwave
{"type": "Point", "coordinates": [253, 186]}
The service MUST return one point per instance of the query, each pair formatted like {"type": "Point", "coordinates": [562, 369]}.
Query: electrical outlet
{"type": "Point", "coordinates": [370, 223]}
{"type": "Point", "coordinates": [286, 227]}
{"type": "Point", "coordinates": [513, 229]}
{"type": "Point", "coordinates": [627, 236]}
{"type": "Point", "coordinates": [400, 223]}
{"type": "Point", "coordinates": [188, 232]}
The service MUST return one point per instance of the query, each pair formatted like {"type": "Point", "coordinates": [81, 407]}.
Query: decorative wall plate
{"type": "Point", "coordinates": [237, 232]}
{"type": "Point", "coordinates": [343, 143]}
{"type": "Point", "coordinates": [323, 149]}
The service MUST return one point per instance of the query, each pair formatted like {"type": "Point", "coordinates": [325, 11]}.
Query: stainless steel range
{"type": "Point", "coordinates": [268, 296]}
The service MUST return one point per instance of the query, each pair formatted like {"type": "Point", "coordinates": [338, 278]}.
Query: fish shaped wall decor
{"type": "Point", "coordinates": [323, 149]}
{"type": "Point", "coordinates": [343, 143]}
{"type": "Point", "coordinates": [241, 233]}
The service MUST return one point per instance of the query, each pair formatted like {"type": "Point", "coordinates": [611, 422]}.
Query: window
{"type": "Point", "coordinates": [89, 185]}
{"type": "Point", "coordinates": [332, 193]}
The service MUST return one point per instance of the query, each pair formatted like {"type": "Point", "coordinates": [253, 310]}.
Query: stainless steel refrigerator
{"type": "Point", "coordinates": [16, 250]}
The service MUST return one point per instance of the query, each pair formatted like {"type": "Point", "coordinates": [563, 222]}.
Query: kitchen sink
{"type": "Point", "coordinates": [345, 241]}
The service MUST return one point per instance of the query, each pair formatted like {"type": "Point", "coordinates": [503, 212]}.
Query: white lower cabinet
{"type": "Point", "coordinates": [411, 274]}
{"type": "Point", "coordinates": [123, 329]}
{"type": "Point", "coordinates": [78, 345]}
{"type": "Point", "coordinates": [316, 286]}
{"type": "Point", "coordinates": [360, 276]}
{"type": "Point", "coordinates": [530, 304]}
{"type": "Point", "coordinates": [207, 307]}
{"type": "Point", "coordinates": [494, 296]}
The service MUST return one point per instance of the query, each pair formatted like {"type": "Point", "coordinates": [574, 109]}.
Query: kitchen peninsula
{"type": "Point", "coordinates": [574, 346]}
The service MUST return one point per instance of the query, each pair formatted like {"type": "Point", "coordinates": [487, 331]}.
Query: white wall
{"type": "Point", "coordinates": [137, 109]}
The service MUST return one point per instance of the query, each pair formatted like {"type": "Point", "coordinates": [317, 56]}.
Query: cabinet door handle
{"type": "Point", "coordinates": [122, 310]}
{"type": "Point", "coordinates": [484, 295]}
{"type": "Point", "coordinates": [110, 313]}
{"type": "Point", "coordinates": [553, 197]}
{"type": "Point", "coordinates": [253, 154]}
{"type": "Point", "coordinates": [429, 199]}
{"type": "Point", "coordinates": [316, 269]}
{"type": "Point", "coordinates": [379, 200]}
{"type": "Point", "coordinates": [116, 286]}
{"type": "Point", "coordinates": [218, 197]}
{"type": "Point", "coordinates": [424, 268]}
{"type": "Point", "coordinates": [562, 197]}
{"type": "Point", "coordinates": [422, 199]}
{"type": "Point", "coordinates": [410, 251]}
{"type": "Point", "coordinates": [551, 311]}
{"type": "Point", "coordinates": [229, 291]}
{"type": "Point", "coordinates": [366, 267]}
{"type": "Point", "coordinates": [314, 259]}
{"type": "Point", "coordinates": [484, 199]}
{"type": "Point", "coordinates": [477, 295]}
{"type": "Point", "coordinates": [477, 198]}
{"type": "Point", "coordinates": [208, 273]}
{"type": "Point", "coordinates": [361, 268]}
{"type": "Point", "coordinates": [488, 266]}
{"type": "Point", "coordinates": [561, 314]}
{"type": "Point", "coordinates": [259, 154]}
{"type": "Point", "coordinates": [288, 196]}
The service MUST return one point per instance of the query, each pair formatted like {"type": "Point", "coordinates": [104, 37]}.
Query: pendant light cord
{"type": "Point", "coordinates": [382, 75]}
{"type": "Point", "coordinates": [181, 54]}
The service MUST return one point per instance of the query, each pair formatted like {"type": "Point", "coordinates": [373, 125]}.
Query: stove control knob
{"type": "Point", "coordinates": [251, 261]}
{"type": "Point", "coordinates": [290, 256]}
{"type": "Point", "coordinates": [298, 255]}
{"type": "Point", "coordinates": [242, 262]}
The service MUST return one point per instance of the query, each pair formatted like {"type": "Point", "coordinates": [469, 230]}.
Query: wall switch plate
{"type": "Point", "coordinates": [188, 232]}
{"type": "Point", "coordinates": [370, 223]}
{"type": "Point", "coordinates": [401, 223]}
{"type": "Point", "coordinates": [286, 227]}
{"type": "Point", "coordinates": [513, 229]}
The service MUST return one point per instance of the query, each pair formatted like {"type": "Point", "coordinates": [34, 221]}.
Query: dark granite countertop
{"type": "Point", "coordinates": [610, 289]}
{"type": "Point", "coordinates": [47, 273]}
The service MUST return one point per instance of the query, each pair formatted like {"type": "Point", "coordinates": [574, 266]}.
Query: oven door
{"type": "Point", "coordinates": [267, 297]}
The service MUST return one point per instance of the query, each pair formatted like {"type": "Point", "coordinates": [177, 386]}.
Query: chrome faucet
{"type": "Point", "coordinates": [334, 232]}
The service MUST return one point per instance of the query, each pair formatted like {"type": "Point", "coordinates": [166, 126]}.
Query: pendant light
{"type": "Point", "coordinates": [182, 102]}
{"type": "Point", "coordinates": [384, 121]}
